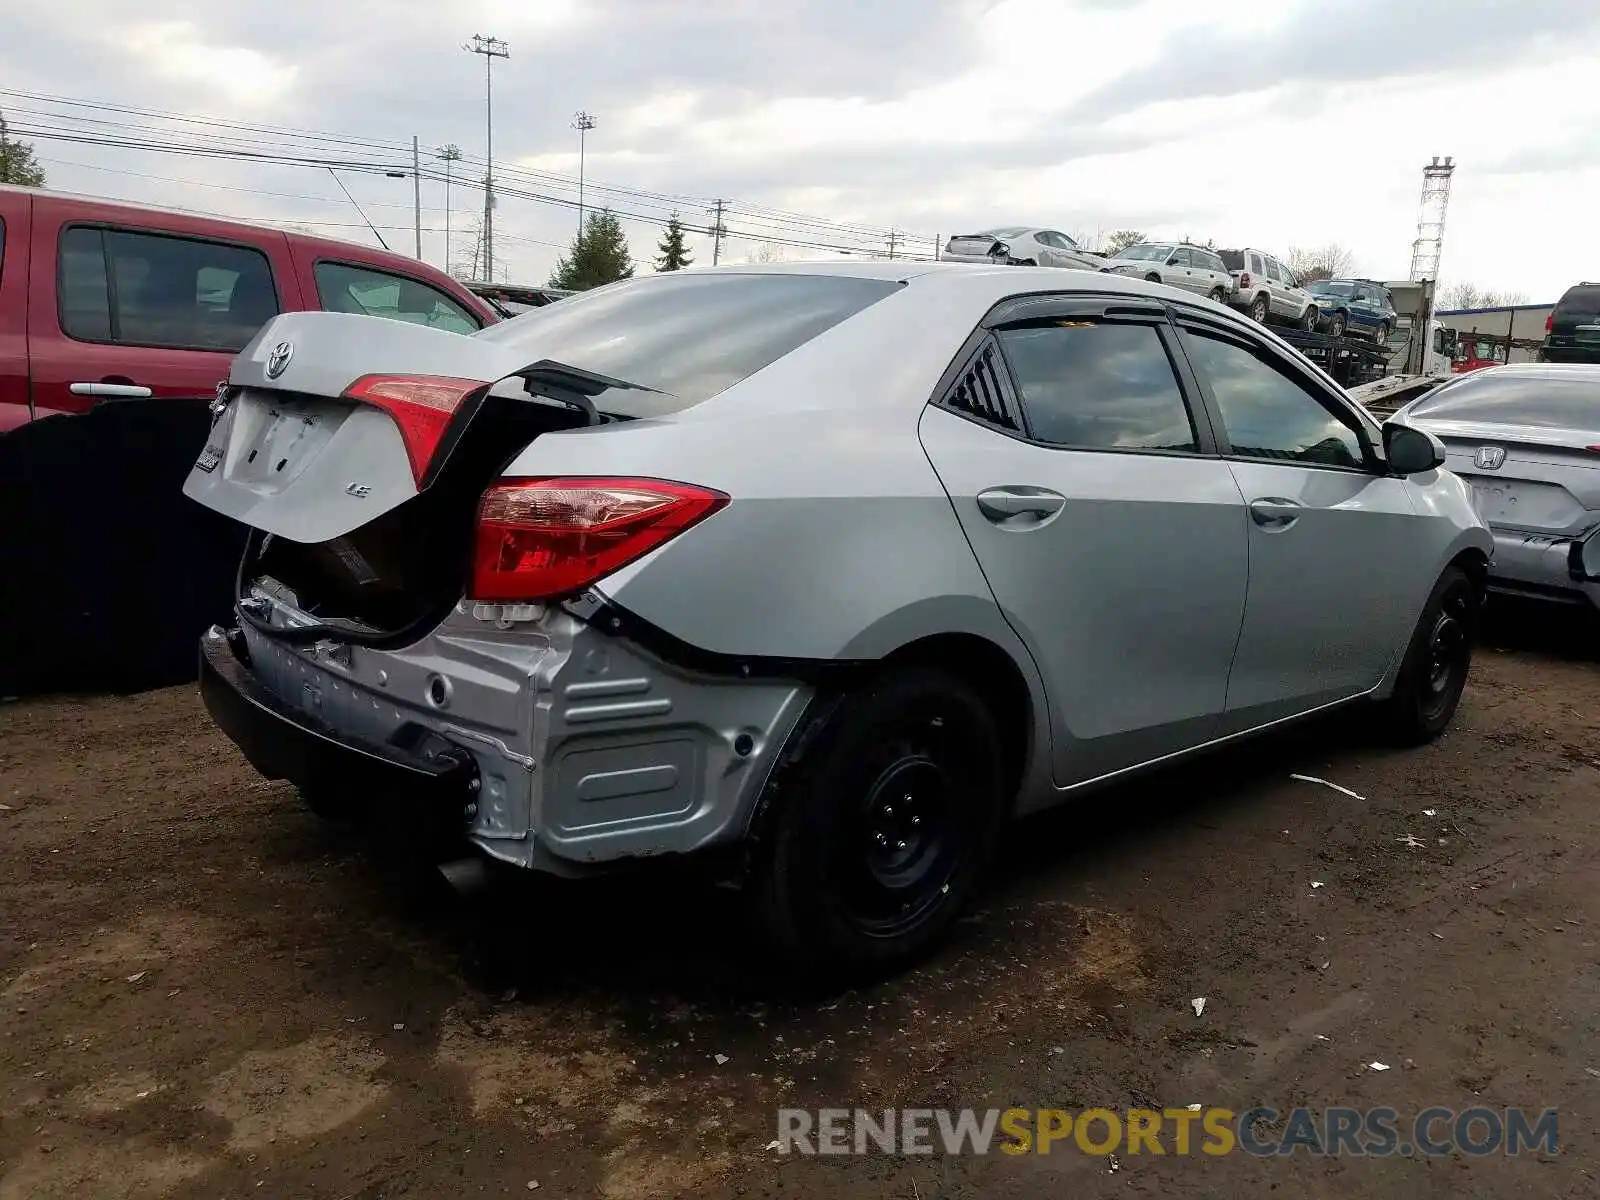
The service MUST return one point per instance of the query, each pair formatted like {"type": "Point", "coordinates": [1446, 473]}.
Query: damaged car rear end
{"type": "Point", "coordinates": [509, 588]}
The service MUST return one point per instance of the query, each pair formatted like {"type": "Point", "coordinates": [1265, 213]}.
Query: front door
{"type": "Point", "coordinates": [1329, 533]}
{"type": "Point", "coordinates": [1114, 545]}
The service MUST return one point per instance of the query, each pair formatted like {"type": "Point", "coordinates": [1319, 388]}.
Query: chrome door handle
{"type": "Point", "coordinates": [111, 391]}
{"type": "Point", "coordinates": [1275, 512]}
{"type": "Point", "coordinates": [1005, 504]}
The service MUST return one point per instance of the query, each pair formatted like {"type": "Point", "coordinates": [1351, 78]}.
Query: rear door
{"type": "Point", "coordinates": [118, 311]}
{"type": "Point", "coordinates": [1112, 537]}
{"type": "Point", "coordinates": [15, 209]}
{"type": "Point", "coordinates": [1334, 543]}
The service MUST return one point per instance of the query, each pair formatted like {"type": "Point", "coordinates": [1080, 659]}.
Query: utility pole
{"type": "Point", "coordinates": [717, 231]}
{"type": "Point", "coordinates": [450, 154]}
{"type": "Point", "coordinates": [491, 48]}
{"type": "Point", "coordinates": [582, 122]}
{"type": "Point", "coordinates": [416, 192]}
{"type": "Point", "coordinates": [894, 239]}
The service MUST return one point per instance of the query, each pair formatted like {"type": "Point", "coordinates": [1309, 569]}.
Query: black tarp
{"type": "Point", "coordinates": [108, 572]}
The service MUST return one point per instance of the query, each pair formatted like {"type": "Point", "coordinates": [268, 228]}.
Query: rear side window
{"type": "Point", "coordinates": [143, 289]}
{"type": "Point", "coordinates": [372, 293]}
{"type": "Point", "coordinates": [686, 334]}
{"type": "Point", "coordinates": [1098, 387]}
{"type": "Point", "coordinates": [1543, 401]}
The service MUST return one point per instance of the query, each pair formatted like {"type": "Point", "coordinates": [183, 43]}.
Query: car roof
{"type": "Point", "coordinates": [980, 284]}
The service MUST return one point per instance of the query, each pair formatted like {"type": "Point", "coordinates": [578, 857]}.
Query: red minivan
{"type": "Point", "coordinates": [101, 300]}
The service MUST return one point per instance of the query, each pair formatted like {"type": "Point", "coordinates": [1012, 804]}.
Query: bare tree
{"type": "Point", "coordinates": [767, 252]}
{"type": "Point", "coordinates": [1119, 240]}
{"type": "Point", "coordinates": [1463, 294]}
{"type": "Point", "coordinates": [1323, 262]}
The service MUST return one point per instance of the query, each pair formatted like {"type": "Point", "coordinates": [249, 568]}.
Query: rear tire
{"type": "Point", "coordinates": [1338, 323]}
{"type": "Point", "coordinates": [1308, 319]}
{"type": "Point", "coordinates": [1380, 335]}
{"type": "Point", "coordinates": [880, 833]}
{"type": "Point", "coordinates": [1259, 309]}
{"type": "Point", "coordinates": [1437, 662]}
{"type": "Point", "coordinates": [1152, 278]}
{"type": "Point", "coordinates": [1217, 294]}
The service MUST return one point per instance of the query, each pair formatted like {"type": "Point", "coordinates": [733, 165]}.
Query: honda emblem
{"type": "Point", "coordinates": [1489, 458]}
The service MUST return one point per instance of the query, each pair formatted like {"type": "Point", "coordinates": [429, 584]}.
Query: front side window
{"type": "Point", "coordinates": [1146, 253]}
{"type": "Point", "coordinates": [1095, 386]}
{"type": "Point", "coordinates": [369, 292]}
{"type": "Point", "coordinates": [1267, 414]}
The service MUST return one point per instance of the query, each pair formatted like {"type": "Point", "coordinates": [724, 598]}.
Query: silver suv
{"type": "Point", "coordinates": [1176, 264]}
{"type": "Point", "coordinates": [1269, 291]}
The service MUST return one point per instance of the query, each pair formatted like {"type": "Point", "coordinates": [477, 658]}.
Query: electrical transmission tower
{"type": "Point", "coordinates": [1425, 251]}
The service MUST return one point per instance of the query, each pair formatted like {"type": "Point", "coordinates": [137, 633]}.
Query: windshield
{"type": "Point", "coordinates": [1329, 288]}
{"type": "Point", "coordinates": [1544, 400]}
{"type": "Point", "coordinates": [687, 335]}
{"type": "Point", "coordinates": [1147, 253]}
{"type": "Point", "coordinates": [1580, 304]}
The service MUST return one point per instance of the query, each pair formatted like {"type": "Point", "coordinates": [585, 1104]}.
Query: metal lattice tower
{"type": "Point", "coordinates": [1425, 251]}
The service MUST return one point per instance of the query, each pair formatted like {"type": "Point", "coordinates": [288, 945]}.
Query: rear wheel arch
{"type": "Point", "coordinates": [993, 674]}
{"type": "Point", "coordinates": [974, 660]}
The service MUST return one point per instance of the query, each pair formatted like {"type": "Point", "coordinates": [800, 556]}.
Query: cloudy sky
{"type": "Point", "coordinates": [831, 122]}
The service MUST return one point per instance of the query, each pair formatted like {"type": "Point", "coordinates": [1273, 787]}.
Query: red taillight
{"type": "Point", "coordinates": [1549, 322]}
{"type": "Point", "coordinates": [541, 538]}
{"type": "Point", "coordinates": [421, 406]}
{"type": "Point", "coordinates": [1244, 279]}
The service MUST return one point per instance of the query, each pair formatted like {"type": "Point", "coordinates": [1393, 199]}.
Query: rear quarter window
{"type": "Point", "coordinates": [687, 335]}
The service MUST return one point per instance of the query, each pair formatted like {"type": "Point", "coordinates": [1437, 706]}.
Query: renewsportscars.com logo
{"type": "Point", "coordinates": [1260, 1131]}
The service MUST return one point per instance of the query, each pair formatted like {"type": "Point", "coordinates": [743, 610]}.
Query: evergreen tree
{"type": "Point", "coordinates": [598, 255]}
{"type": "Point", "coordinates": [17, 164]}
{"type": "Point", "coordinates": [674, 256]}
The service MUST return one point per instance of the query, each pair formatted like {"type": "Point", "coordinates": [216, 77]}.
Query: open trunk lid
{"type": "Point", "coordinates": [292, 455]}
{"type": "Point", "coordinates": [363, 510]}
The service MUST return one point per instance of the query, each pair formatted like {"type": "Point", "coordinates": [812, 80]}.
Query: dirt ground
{"type": "Point", "coordinates": [205, 992]}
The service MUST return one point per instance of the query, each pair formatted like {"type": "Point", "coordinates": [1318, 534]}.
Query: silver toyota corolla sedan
{"type": "Point", "coordinates": [828, 568]}
{"type": "Point", "coordinates": [1526, 438]}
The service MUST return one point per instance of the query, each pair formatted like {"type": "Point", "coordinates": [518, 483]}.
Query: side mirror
{"type": "Point", "coordinates": [1411, 451]}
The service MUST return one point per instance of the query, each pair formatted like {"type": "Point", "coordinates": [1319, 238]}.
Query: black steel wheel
{"type": "Point", "coordinates": [879, 833]}
{"type": "Point", "coordinates": [1438, 660]}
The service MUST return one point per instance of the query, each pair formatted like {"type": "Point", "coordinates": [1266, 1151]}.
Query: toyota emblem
{"type": "Point", "coordinates": [1489, 458]}
{"type": "Point", "coordinates": [278, 360]}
